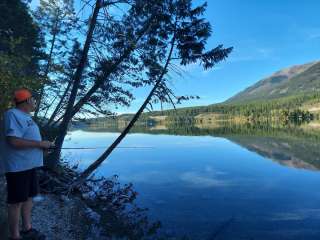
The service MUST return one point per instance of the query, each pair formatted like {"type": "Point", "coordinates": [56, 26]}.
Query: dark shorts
{"type": "Point", "coordinates": [22, 185]}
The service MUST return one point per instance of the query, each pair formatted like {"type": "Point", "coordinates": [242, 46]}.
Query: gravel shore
{"type": "Point", "coordinates": [58, 218]}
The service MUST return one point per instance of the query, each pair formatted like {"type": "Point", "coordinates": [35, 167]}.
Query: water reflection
{"type": "Point", "coordinates": [290, 145]}
{"type": "Point", "coordinates": [198, 178]}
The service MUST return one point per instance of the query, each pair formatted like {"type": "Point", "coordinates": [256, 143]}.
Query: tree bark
{"type": "Point", "coordinates": [58, 107]}
{"type": "Point", "coordinates": [85, 174]}
{"type": "Point", "coordinates": [53, 159]}
{"type": "Point", "coordinates": [45, 75]}
{"type": "Point", "coordinates": [112, 68]}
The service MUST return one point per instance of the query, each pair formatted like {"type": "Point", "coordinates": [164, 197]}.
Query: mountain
{"type": "Point", "coordinates": [292, 88]}
{"type": "Point", "coordinates": [293, 80]}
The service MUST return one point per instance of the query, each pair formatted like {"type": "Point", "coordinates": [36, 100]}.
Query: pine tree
{"type": "Point", "coordinates": [19, 50]}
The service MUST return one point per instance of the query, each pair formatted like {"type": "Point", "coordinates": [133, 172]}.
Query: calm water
{"type": "Point", "coordinates": [233, 184]}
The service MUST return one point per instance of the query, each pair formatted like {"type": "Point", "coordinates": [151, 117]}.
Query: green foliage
{"type": "Point", "coordinates": [58, 23]}
{"type": "Point", "coordinates": [282, 109]}
{"type": "Point", "coordinates": [19, 49]}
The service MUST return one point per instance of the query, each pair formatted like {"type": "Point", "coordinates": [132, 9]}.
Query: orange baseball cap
{"type": "Point", "coordinates": [22, 95]}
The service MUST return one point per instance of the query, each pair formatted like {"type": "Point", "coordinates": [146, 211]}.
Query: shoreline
{"type": "Point", "coordinates": [56, 217]}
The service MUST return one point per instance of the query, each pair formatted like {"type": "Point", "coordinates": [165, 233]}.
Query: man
{"type": "Point", "coordinates": [23, 154]}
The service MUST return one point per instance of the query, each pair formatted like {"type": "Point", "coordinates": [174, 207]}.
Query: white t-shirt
{"type": "Point", "coordinates": [21, 125]}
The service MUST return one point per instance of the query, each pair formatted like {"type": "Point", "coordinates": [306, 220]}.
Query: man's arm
{"type": "Point", "coordinates": [25, 143]}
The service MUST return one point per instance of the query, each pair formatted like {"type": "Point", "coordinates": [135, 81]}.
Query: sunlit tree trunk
{"type": "Point", "coordinates": [47, 69]}
{"type": "Point", "coordinates": [104, 156]}
{"type": "Point", "coordinates": [55, 156]}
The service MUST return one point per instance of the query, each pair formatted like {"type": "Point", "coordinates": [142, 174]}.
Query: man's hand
{"type": "Point", "coordinates": [25, 143]}
{"type": "Point", "coordinates": [46, 144]}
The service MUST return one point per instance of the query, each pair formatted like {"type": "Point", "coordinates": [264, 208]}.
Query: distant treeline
{"type": "Point", "coordinates": [279, 130]}
{"type": "Point", "coordinates": [284, 109]}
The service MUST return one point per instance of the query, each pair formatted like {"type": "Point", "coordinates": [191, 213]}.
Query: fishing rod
{"type": "Point", "coordinates": [93, 148]}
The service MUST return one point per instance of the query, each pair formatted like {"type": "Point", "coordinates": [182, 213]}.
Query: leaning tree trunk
{"type": "Point", "coordinates": [104, 156]}
{"type": "Point", "coordinates": [46, 72]}
{"type": "Point", "coordinates": [58, 107]}
{"type": "Point", "coordinates": [113, 67]}
{"type": "Point", "coordinates": [53, 159]}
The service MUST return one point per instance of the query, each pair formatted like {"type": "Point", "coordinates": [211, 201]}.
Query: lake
{"type": "Point", "coordinates": [217, 183]}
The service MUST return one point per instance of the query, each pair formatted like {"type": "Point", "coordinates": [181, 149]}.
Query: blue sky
{"type": "Point", "coordinates": [267, 35]}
